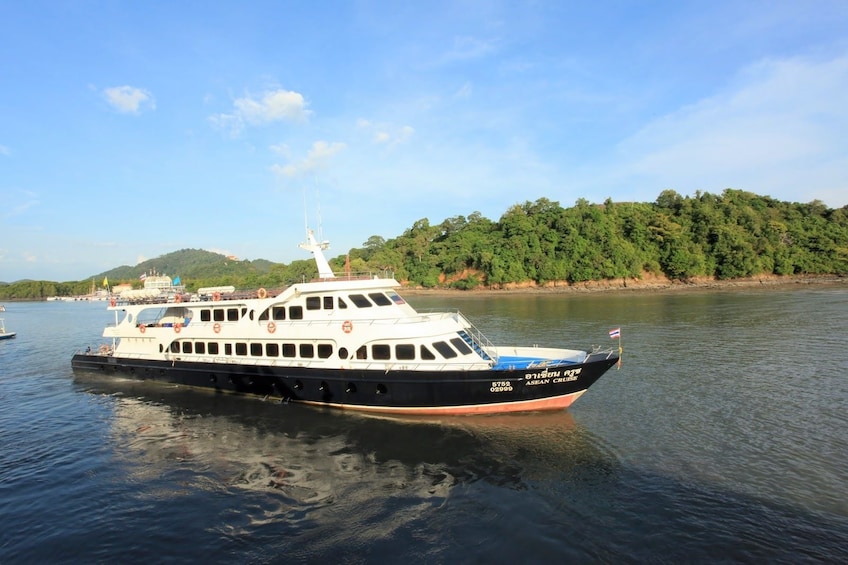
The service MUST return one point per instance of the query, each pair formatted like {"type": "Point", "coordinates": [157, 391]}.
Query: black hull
{"type": "Point", "coordinates": [410, 392]}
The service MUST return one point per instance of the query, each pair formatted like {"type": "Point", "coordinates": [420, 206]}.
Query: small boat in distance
{"type": "Point", "coordinates": [3, 333]}
{"type": "Point", "coordinates": [342, 341]}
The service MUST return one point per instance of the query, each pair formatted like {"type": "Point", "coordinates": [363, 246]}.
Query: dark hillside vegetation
{"type": "Point", "coordinates": [733, 235]}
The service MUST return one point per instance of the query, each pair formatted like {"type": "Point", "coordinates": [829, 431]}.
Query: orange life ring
{"type": "Point", "coordinates": [112, 302]}
{"type": "Point", "coordinates": [262, 293]}
{"type": "Point", "coordinates": [178, 298]}
{"type": "Point", "coordinates": [216, 296]}
{"type": "Point", "coordinates": [272, 327]}
{"type": "Point", "coordinates": [177, 327]}
{"type": "Point", "coordinates": [216, 328]}
{"type": "Point", "coordinates": [142, 328]}
{"type": "Point", "coordinates": [347, 326]}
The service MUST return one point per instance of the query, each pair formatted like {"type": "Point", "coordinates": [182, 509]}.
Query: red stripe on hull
{"type": "Point", "coordinates": [552, 403]}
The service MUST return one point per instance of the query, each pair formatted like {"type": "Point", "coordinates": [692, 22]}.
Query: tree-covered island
{"type": "Point", "coordinates": [679, 238]}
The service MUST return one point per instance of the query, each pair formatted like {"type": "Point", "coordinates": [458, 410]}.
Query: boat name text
{"type": "Point", "coordinates": [546, 376]}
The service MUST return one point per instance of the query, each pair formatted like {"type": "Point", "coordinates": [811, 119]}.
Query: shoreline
{"type": "Point", "coordinates": [648, 285]}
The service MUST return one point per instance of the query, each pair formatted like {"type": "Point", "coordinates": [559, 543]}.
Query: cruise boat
{"type": "Point", "coordinates": [342, 341]}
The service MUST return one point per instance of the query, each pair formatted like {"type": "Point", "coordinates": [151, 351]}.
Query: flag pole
{"type": "Point", "coordinates": [620, 351]}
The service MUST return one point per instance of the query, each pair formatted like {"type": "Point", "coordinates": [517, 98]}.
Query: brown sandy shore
{"type": "Point", "coordinates": [646, 284]}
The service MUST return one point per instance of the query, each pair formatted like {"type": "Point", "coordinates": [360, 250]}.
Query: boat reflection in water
{"type": "Point", "coordinates": [315, 455]}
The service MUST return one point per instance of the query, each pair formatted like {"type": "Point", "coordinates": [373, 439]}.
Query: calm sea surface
{"type": "Point", "coordinates": [722, 438]}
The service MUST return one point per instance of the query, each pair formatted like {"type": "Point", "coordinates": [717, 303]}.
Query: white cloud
{"type": "Point", "coordinates": [128, 99]}
{"type": "Point", "coordinates": [317, 158]}
{"type": "Point", "coordinates": [272, 106]}
{"type": "Point", "coordinates": [281, 149]}
{"type": "Point", "coordinates": [386, 134]}
{"type": "Point", "coordinates": [464, 91]}
{"type": "Point", "coordinates": [21, 203]}
{"type": "Point", "coordinates": [467, 48]}
{"type": "Point", "coordinates": [779, 130]}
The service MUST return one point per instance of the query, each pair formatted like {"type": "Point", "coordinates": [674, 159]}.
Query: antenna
{"type": "Point", "coordinates": [318, 205]}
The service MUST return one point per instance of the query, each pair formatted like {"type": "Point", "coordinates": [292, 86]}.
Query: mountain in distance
{"type": "Point", "coordinates": [189, 263]}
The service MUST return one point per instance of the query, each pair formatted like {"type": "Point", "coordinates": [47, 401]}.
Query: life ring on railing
{"type": "Point", "coordinates": [347, 326]}
{"type": "Point", "coordinates": [272, 327]}
{"type": "Point", "coordinates": [112, 302]}
{"type": "Point", "coordinates": [262, 293]}
{"type": "Point", "coordinates": [178, 327]}
{"type": "Point", "coordinates": [142, 328]}
{"type": "Point", "coordinates": [216, 328]}
{"type": "Point", "coordinates": [216, 296]}
{"type": "Point", "coordinates": [178, 298]}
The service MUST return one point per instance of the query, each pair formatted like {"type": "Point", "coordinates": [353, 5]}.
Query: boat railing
{"type": "Point", "coordinates": [477, 339]}
{"type": "Point", "coordinates": [352, 276]}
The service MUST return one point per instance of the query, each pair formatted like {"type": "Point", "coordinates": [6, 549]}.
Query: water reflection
{"type": "Point", "coordinates": [322, 469]}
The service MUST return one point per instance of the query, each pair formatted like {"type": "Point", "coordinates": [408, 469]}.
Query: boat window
{"type": "Point", "coordinates": [343, 353]}
{"type": "Point", "coordinates": [272, 350]}
{"type": "Point", "coordinates": [461, 346]}
{"type": "Point", "coordinates": [250, 316]}
{"type": "Point", "coordinates": [288, 350]}
{"type": "Point", "coordinates": [244, 311]}
{"type": "Point", "coordinates": [218, 314]}
{"type": "Point", "coordinates": [200, 347]}
{"type": "Point", "coordinates": [426, 354]}
{"type": "Point", "coordinates": [307, 350]}
{"type": "Point", "coordinates": [232, 314]}
{"type": "Point", "coordinates": [325, 350]}
{"type": "Point", "coordinates": [313, 302]}
{"type": "Point", "coordinates": [360, 301]}
{"type": "Point", "coordinates": [395, 297]}
{"type": "Point", "coordinates": [362, 353]}
{"type": "Point", "coordinates": [241, 348]}
{"type": "Point", "coordinates": [228, 349]}
{"type": "Point", "coordinates": [444, 349]}
{"type": "Point", "coordinates": [342, 304]}
{"type": "Point", "coordinates": [381, 351]}
{"type": "Point", "coordinates": [279, 312]}
{"type": "Point", "coordinates": [205, 315]}
{"type": "Point", "coordinates": [404, 351]}
{"type": "Point", "coordinates": [380, 299]}
{"type": "Point", "coordinates": [256, 350]}
{"type": "Point", "coordinates": [328, 303]}
{"type": "Point", "coordinates": [213, 348]}
{"type": "Point", "coordinates": [187, 347]}
{"type": "Point", "coordinates": [175, 347]}
{"type": "Point", "coordinates": [295, 312]}
{"type": "Point", "coordinates": [264, 315]}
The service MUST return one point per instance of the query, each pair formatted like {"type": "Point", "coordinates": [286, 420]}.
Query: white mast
{"type": "Point", "coordinates": [317, 250]}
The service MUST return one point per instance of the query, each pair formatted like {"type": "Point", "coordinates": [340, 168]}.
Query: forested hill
{"type": "Point", "coordinates": [189, 264]}
{"type": "Point", "coordinates": [737, 234]}
{"type": "Point", "coordinates": [732, 235]}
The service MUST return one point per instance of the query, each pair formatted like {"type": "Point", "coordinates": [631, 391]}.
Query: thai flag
{"type": "Point", "coordinates": [142, 277]}
{"type": "Point", "coordinates": [615, 333]}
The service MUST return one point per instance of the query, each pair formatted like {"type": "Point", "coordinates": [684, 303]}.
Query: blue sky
{"type": "Point", "coordinates": [133, 129]}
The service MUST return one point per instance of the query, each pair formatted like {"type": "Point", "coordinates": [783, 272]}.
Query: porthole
{"type": "Point", "coordinates": [381, 389]}
{"type": "Point", "coordinates": [351, 388]}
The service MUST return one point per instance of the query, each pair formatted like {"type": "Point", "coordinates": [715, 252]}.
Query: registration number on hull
{"type": "Point", "coordinates": [540, 378]}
